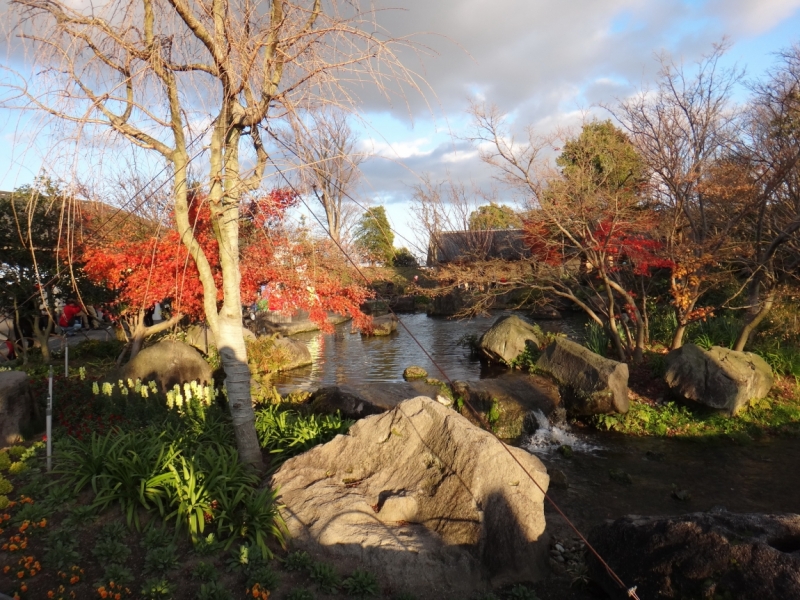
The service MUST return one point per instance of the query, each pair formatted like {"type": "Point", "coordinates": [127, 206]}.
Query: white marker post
{"type": "Point", "coordinates": [49, 420]}
{"type": "Point", "coordinates": [66, 359]}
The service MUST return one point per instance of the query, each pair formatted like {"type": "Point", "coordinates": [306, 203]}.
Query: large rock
{"type": "Point", "coordinates": [719, 378]}
{"type": "Point", "coordinates": [591, 384]}
{"type": "Point", "coordinates": [17, 407]}
{"type": "Point", "coordinates": [514, 396]}
{"type": "Point", "coordinates": [431, 504]}
{"type": "Point", "coordinates": [385, 325]}
{"type": "Point", "coordinates": [296, 352]}
{"type": "Point", "coordinates": [202, 338]}
{"type": "Point", "coordinates": [356, 401]}
{"type": "Point", "coordinates": [507, 338]}
{"type": "Point", "coordinates": [166, 363]}
{"type": "Point", "coordinates": [701, 555]}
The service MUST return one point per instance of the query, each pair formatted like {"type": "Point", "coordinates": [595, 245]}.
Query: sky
{"type": "Point", "coordinates": [545, 63]}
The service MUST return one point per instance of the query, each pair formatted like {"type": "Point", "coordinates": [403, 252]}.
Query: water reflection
{"type": "Point", "coordinates": [345, 357]}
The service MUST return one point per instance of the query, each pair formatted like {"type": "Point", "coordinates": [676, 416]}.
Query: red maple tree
{"type": "Point", "coordinates": [279, 271]}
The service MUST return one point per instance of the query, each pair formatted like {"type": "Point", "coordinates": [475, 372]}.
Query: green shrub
{"type": "Point", "coordinates": [297, 561]}
{"type": "Point", "coordinates": [596, 338]}
{"type": "Point", "coordinates": [4, 502]}
{"type": "Point", "coordinates": [205, 572]}
{"type": "Point", "coordinates": [159, 561]}
{"type": "Point", "coordinates": [5, 461]}
{"type": "Point", "coordinates": [213, 591]}
{"type": "Point", "coordinates": [286, 432]}
{"type": "Point", "coordinates": [5, 486]}
{"type": "Point", "coordinates": [17, 451]}
{"type": "Point", "coordinates": [111, 551]}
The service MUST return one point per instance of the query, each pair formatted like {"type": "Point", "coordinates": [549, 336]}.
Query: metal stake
{"type": "Point", "coordinates": [49, 420]}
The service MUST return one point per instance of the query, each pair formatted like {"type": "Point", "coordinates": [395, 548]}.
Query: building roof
{"type": "Point", "coordinates": [471, 246]}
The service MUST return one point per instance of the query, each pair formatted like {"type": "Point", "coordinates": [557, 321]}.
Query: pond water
{"type": "Point", "coordinates": [762, 476]}
{"type": "Point", "coordinates": [344, 357]}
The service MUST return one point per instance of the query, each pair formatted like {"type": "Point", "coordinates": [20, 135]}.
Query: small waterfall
{"type": "Point", "coordinates": [549, 437]}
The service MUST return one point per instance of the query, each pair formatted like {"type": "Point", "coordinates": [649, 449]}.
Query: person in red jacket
{"type": "Point", "coordinates": [72, 311]}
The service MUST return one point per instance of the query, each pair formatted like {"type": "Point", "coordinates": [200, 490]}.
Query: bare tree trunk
{"type": "Point", "coordinates": [677, 337]}
{"type": "Point", "coordinates": [140, 332]}
{"type": "Point", "coordinates": [754, 317]}
{"type": "Point", "coordinates": [42, 336]}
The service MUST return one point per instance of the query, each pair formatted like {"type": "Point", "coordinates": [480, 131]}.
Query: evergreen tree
{"type": "Point", "coordinates": [374, 236]}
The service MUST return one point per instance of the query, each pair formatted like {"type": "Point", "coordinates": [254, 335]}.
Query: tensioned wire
{"type": "Point", "coordinates": [631, 592]}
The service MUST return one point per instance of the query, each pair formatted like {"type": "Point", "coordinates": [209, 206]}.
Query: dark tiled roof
{"type": "Point", "coordinates": [470, 246]}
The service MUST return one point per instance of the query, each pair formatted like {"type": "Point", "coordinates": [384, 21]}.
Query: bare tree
{"type": "Point", "coordinates": [150, 70]}
{"type": "Point", "coordinates": [682, 129]}
{"type": "Point", "coordinates": [769, 161]}
{"type": "Point", "coordinates": [327, 147]}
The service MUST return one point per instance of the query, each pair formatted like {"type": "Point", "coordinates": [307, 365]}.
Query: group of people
{"type": "Point", "coordinates": [73, 313]}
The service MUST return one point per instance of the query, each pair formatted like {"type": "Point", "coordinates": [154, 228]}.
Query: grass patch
{"type": "Point", "coordinates": [778, 414]}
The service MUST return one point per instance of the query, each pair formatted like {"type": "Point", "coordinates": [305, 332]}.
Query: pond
{"type": "Point", "coordinates": [344, 357]}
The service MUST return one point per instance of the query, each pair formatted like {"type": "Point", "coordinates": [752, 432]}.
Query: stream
{"type": "Point", "coordinates": [763, 476]}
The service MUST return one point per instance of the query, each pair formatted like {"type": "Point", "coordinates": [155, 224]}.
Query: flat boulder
{"type": "Point", "coordinates": [510, 399]}
{"type": "Point", "coordinates": [167, 363]}
{"type": "Point", "coordinates": [590, 383]}
{"type": "Point", "coordinates": [296, 353]}
{"type": "Point", "coordinates": [384, 325]}
{"type": "Point", "coordinates": [700, 555]}
{"type": "Point", "coordinates": [719, 377]}
{"type": "Point", "coordinates": [360, 400]}
{"type": "Point", "coordinates": [431, 504]}
{"type": "Point", "coordinates": [17, 407]}
{"type": "Point", "coordinates": [507, 338]}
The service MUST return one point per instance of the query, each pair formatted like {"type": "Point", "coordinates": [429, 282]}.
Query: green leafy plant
{"type": "Point", "coordinates": [286, 432]}
{"type": "Point", "coordinates": [117, 574]}
{"type": "Point", "coordinates": [80, 516]}
{"type": "Point", "coordinates": [213, 591]}
{"type": "Point", "coordinates": [59, 496]}
{"type": "Point", "coordinates": [5, 461]}
{"type": "Point", "coordinates": [160, 560]}
{"type": "Point", "coordinates": [60, 555]}
{"type": "Point", "coordinates": [325, 577]}
{"type": "Point", "coordinates": [205, 572]}
{"type": "Point", "coordinates": [111, 551]}
{"type": "Point", "coordinates": [262, 576]}
{"type": "Point", "coordinates": [31, 512]}
{"type": "Point", "coordinates": [207, 545]}
{"type": "Point", "coordinates": [17, 451]}
{"type": "Point", "coordinates": [157, 589]}
{"type": "Point", "coordinates": [361, 584]}
{"type": "Point", "coordinates": [595, 338]}
{"type": "Point", "coordinates": [520, 592]}
{"type": "Point", "coordinates": [156, 537]}
{"type": "Point", "coordinates": [6, 486]}
{"type": "Point", "coordinates": [297, 561]}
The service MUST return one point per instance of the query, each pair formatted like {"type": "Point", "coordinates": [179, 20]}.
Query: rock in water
{"type": "Point", "coordinates": [167, 363]}
{"type": "Point", "coordinates": [592, 384]}
{"type": "Point", "coordinates": [384, 325]}
{"type": "Point", "coordinates": [202, 338]}
{"type": "Point", "coordinates": [506, 339]}
{"type": "Point", "coordinates": [430, 503]}
{"type": "Point", "coordinates": [17, 407]}
{"type": "Point", "coordinates": [701, 555]}
{"type": "Point", "coordinates": [296, 352]}
{"type": "Point", "coordinates": [414, 372]}
{"type": "Point", "coordinates": [361, 400]}
{"type": "Point", "coordinates": [719, 378]}
{"type": "Point", "coordinates": [516, 396]}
